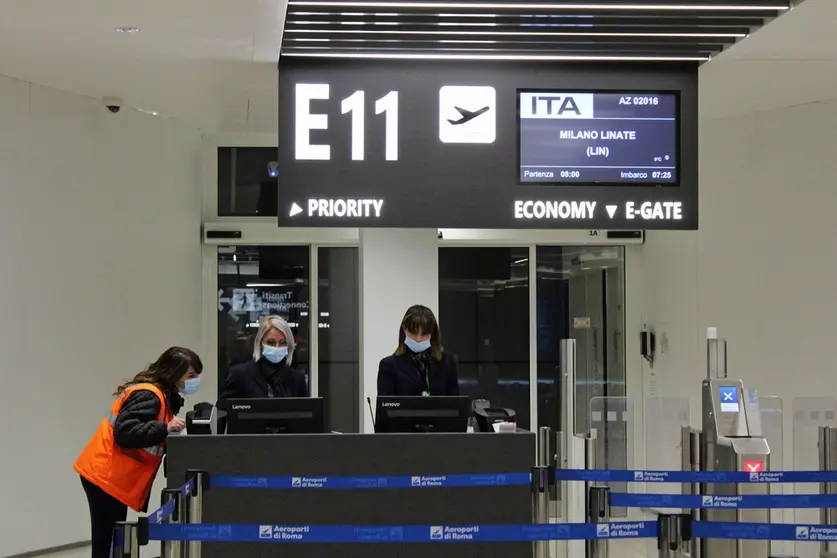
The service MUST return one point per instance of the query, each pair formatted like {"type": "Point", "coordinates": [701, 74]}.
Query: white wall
{"type": "Point", "coordinates": [398, 268]}
{"type": "Point", "coordinates": [762, 267]}
{"type": "Point", "coordinates": [101, 271]}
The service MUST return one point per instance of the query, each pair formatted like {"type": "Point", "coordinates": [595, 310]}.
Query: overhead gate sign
{"type": "Point", "coordinates": [487, 145]}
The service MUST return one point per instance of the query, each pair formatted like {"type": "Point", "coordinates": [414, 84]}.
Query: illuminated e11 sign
{"type": "Point", "coordinates": [430, 144]}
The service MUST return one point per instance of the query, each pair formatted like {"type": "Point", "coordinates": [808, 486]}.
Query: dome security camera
{"type": "Point", "coordinates": [113, 104]}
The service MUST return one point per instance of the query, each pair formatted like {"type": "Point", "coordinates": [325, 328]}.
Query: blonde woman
{"type": "Point", "coordinates": [269, 374]}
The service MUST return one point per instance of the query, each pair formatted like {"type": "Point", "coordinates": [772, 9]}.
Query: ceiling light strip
{"type": "Point", "coordinates": [576, 24]}
{"type": "Point", "coordinates": [367, 14]}
{"type": "Point", "coordinates": [441, 23]}
{"type": "Point", "coordinates": [608, 18]}
{"type": "Point", "coordinates": [522, 33]}
{"type": "Point", "coordinates": [589, 48]}
{"type": "Point", "coordinates": [510, 57]}
{"type": "Point", "coordinates": [557, 6]}
{"type": "Point", "coordinates": [497, 50]}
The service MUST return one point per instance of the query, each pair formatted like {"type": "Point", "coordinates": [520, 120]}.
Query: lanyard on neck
{"type": "Point", "coordinates": [426, 367]}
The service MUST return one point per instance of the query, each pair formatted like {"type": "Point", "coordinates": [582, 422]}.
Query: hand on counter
{"type": "Point", "coordinates": [176, 425]}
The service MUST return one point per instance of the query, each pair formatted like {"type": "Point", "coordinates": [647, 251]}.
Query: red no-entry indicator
{"type": "Point", "coordinates": [753, 466]}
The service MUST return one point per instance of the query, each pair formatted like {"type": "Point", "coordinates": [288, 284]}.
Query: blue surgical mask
{"type": "Point", "coordinates": [416, 346]}
{"type": "Point", "coordinates": [191, 386]}
{"type": "Point", "coordinates": [274, 354]}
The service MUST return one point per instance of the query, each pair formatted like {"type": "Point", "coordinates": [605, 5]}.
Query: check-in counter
{"type": "Point", "coordinates": [324, 455]}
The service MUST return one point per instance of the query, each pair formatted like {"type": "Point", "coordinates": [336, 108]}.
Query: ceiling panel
{"type": "Point", "coordinates": [583, 29]}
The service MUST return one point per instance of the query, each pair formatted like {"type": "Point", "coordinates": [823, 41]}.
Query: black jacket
{"type": "Point", "coordinates": [136, 425]}
{"type": "Point", "coordinates": [250, 380]}
{"type": "Point", "coordinates": [402, 375]}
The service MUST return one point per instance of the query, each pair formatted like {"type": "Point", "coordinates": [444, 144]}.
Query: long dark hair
{"type": "Point", "coordinates": [420, 320]}
{"type": "Point", "coordinates": [167, 370]}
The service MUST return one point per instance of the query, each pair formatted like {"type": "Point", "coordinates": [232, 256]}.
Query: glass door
{"type": "Point", "coordinates": [256, 281]}
{"type": "Point", "coordinates": [259, 280]}
{"type": "Point", "coordinates": [580, 356]}
{"type": "Point", "coordinates": [580, 296]}
{"type": "Point", "coordinates": [484, 318]}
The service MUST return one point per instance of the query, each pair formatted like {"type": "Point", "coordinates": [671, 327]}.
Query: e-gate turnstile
{"type": "Point", "coordinates": [731, 439]}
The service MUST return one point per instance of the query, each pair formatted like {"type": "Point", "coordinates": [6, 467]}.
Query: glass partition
{"type": "Point", "coordinates": [484, 313]}
{"type": "Point", "coordinates": [484, 317]}
{"type": "Point", "coordinates": [611, 426]}
{"type": "Point", "coordinates": [809, 414]}
{"type": "Point", "coordinates": [255, 281]}
{"type": "Point", "coordinates": [580, 295]}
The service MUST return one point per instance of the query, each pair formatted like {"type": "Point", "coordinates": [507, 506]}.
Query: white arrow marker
{"type": "Point", "coordinates": [611, 210]}
{"type": "Point", "coordinates": [295, 209]}
{"type": "Point", "coordinates": [222, 299]}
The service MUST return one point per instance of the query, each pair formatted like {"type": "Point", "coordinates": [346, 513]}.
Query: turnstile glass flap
{"type": "Point", "coordinates": [749, 446]}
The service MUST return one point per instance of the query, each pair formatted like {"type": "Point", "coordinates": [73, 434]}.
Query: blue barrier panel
{"type": "Point", "coordinates": [164, 512]}
{"type": "Point", "coordinates": [764, 531]}
{"type": "Point", "coordinates": [691, 501]}
{"type": "Point", "coordinates": [516, 479]}
{"type": "Point", "coordinates": [186, 489]}
{"type": "Point", "coordinates": [401, 533]}
{"type": "Point", "coordinates": [369, 483]}
{"type": "Point", "coordinates": [695, 476]}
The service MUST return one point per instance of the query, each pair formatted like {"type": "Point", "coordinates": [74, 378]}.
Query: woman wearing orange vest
{"type": "Point", "coordinates": [119, 464]}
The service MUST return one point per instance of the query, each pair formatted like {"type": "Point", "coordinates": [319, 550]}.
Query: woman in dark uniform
{"type": "Point", "coordinates": [269, 374]}
{"type": "Point", "coordinates": [419, 366]}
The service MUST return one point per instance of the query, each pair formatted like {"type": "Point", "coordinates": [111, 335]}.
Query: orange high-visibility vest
{"type": "Point", "coordinates": [125, 474]}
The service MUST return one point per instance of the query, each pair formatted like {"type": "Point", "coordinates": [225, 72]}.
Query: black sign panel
{"type": "Point", "coordinates": [444, 144]}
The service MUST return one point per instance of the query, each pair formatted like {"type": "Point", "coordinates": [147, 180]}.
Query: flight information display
{"type": "Point", "coordinates": [598, 138]}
